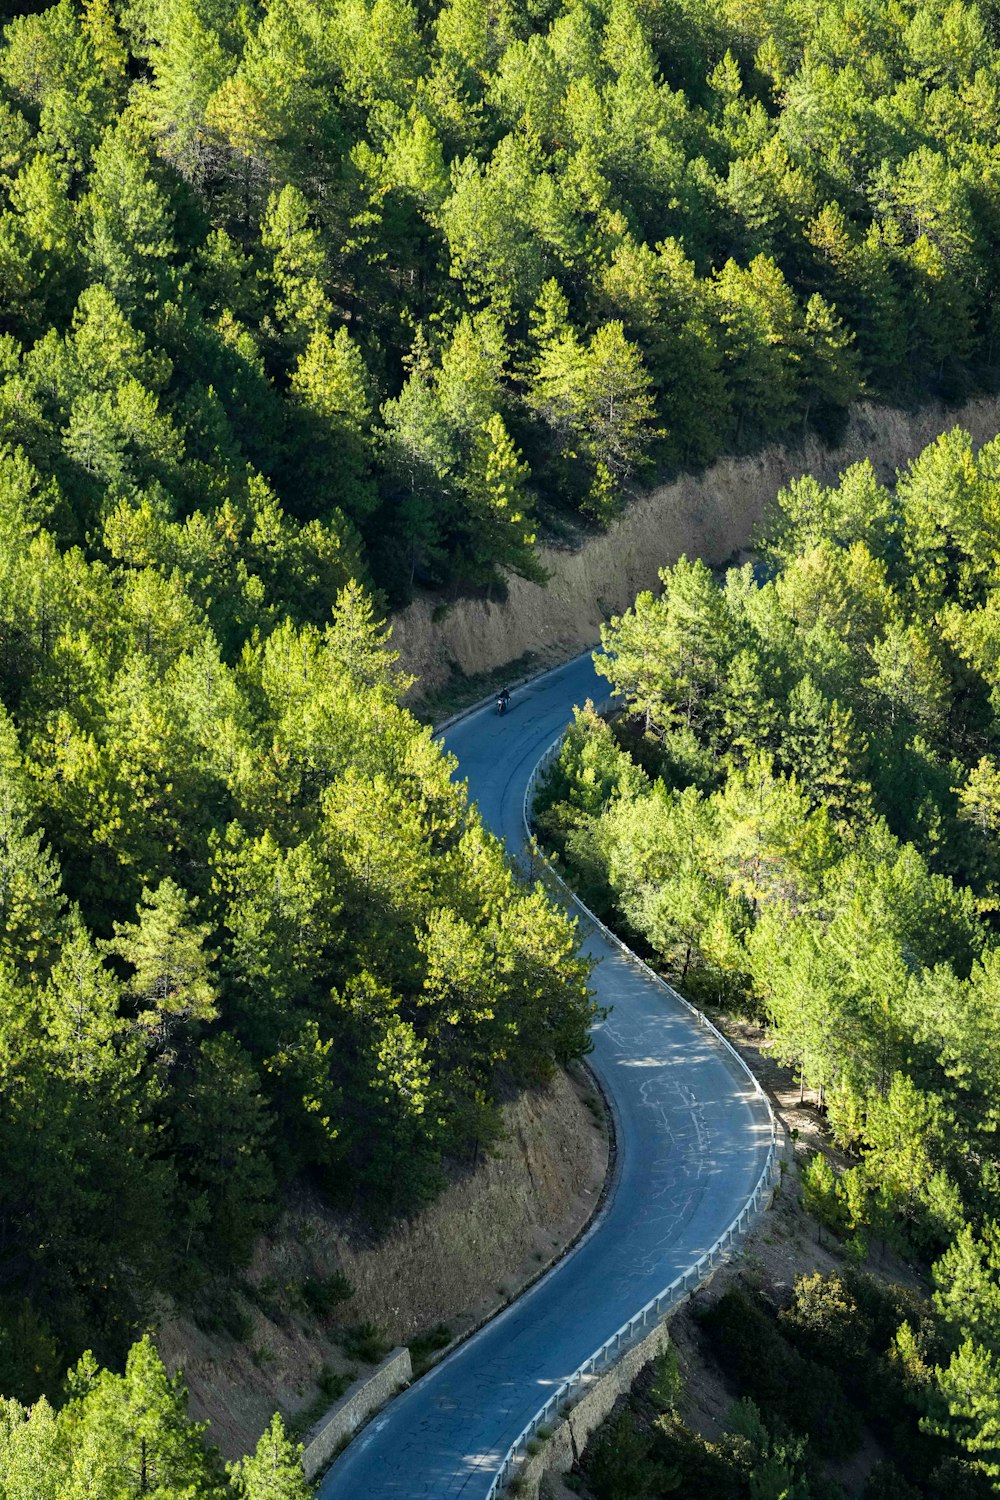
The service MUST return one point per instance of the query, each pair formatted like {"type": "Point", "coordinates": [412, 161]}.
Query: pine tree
{"type": "Point", "coordinates": [30, 898]}
{"type": "Point", "coordinates": [421, 458]}
{"type": "Point", "coordinates": [819, 1195]}
{"type": "Point", "coordinates": [41, 233]}
{"type": "Point", "coordinates": [667, 656]}
{"type": "Point", "coordinates": [968, 1410]}
{"type": "Point", "coordinates": [358, 641]}
{"type": "Point", "coordinates": [189, 65]}
{"type": "Point", "coordinates": [31, 1461]}
{"type": "Point", "coordinates": [130, 226]}
{"type": "Point", "coordinates": [171, 982]}
{"type": "Point", "coordinates": [275, 1470]}
{"type": "Point", "coordinates": [829, 379]}
{"type": "Point", "coordinates": [597, 400]}
{"type": "Point", "coordinates": [756, 317]}
{"type": "Point", "coordinates": [967, 1290]}
{"type": "Point", "coordinates": [825, 751]}
{"type": "Point", "coordinates": [910, 685]}
{"type": "Point", "coordinates": [129, 1435]}
{"type": "Point", "coordinates": [109, 49]}
{"type": "Point", "coordinates": [330, 380]}
{"type": "Point", "coordinates": [550, 315]}
{"type": "Point", "coordinates": [300, 272]}
{"type": "Point", "coordinates": [979, 797]}
{"type": "Point", "coordinates": [469, 380]}
{"type": "Point", "coordinates": [500, 500]}
{"type": "Point", "coordinates": [620, 406]}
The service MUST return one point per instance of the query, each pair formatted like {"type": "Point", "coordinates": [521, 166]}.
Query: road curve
{"type": "Point", "coordinates": [693, 1139]}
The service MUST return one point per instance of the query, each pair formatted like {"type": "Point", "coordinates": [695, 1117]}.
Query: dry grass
{"type": "Point", "coordinates": [271, 1340]}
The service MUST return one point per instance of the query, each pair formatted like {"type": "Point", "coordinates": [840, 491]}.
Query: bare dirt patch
{"type": "Point", "coordinates": [492, 1230]}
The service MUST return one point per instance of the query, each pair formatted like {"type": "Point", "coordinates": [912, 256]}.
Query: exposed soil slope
{"type": "Point", "coordinates": [711, 515]}
{"type": "Point", "coordinates": [490, 1231]}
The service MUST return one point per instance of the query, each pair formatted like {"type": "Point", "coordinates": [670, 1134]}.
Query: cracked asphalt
{"type": "Point", "coordinates": [692, 1141]}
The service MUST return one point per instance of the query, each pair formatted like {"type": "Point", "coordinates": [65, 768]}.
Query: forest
{"type": "Point", "coordinates": [795, 812]}
{"type": "Point", "coordinates": [827, 1384]}
{"type": "Point", "coordinates": [299, 291]}
{"type": "Point", "coordinates": [119, 1436]}
{"type": "Point", "coordinates": [305, 305]}
{"type": "Point", "coordinates": [251, 931]}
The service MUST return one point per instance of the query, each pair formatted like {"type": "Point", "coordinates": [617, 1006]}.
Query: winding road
{"type": "Point", "coordinates": [693, 1138]}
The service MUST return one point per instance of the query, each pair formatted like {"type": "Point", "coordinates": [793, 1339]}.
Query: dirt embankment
{"type": "Point", "coordinates": [710, 515]}
{"type": "Point", "coordinates": [492, 1230]}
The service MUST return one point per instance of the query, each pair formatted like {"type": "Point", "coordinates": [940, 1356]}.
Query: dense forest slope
{"type": "Point", "coordinates": [799, 814]}
{"type": "Point", "coordinates": [250, 929]}
{"type": "Point", "coordinates": [308, 297]}
{"type": "Point", "coordinates": [422, 1281]}
{"type": "Point", "coordinates": [314, 288]}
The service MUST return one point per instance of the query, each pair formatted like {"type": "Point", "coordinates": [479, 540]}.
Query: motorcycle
{"type": "Point", "coordinates": [502, 703]}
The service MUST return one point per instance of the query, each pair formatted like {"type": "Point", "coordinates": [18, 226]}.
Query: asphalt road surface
{"type": "Point", "coordinates": [692, 1141]}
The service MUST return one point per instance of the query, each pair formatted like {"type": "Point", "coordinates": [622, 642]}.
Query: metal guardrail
{"type": "Point", "coordinates": [604, 1357]}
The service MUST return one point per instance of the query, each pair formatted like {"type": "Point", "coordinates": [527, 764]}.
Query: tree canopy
{"type": "Point", "coordinates": [251, 932]}
{"type": "Point", "coordinates": [375, 290]}
{"type": "Point", "coordinates": [305, 306]}
{"type": "Point", "coordinates": [796, 812]}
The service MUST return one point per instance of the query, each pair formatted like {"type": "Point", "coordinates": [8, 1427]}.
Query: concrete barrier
{"type": "Point", "coordinates": [355, 1406]}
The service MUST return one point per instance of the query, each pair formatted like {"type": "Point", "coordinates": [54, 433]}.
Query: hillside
{"type": "Point", "coordinates": [431, 1278]}
{"type": "Point", "coordinates": [306, 305]}
{"type": "Point", "coordinates": [796, 815]}
{"type": "Point", "coordinates": [303, 290]}
{"type": "Point", "coordinates": [456, 647]}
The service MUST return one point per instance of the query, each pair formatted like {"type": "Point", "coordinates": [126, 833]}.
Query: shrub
{"type": "Point", "coordinates": [666, 1384]}
{"type": "Point", "coordinates": [621, 1466]}
{"type": "Point", "coordinates": [426, 1345]}
{"type": "Point", "coordinates": [221, 1309]}
{"type": "Point", "coordinates": [321, 1294]}
{"type": "Point", "coordinates": [698, 1470]}
{"type": "Point", "coordinates": [364, 1342]}
{"type": "Point", "coordinates": [826, 1323]}
{"type": "Point", "coordinates": [819, 1194]}
{"type": "Point", "coordinates": [791, 1390]}
{"type": "Point", "coordinates": [330, 1387]}
{"type": "Point", "coordinates": [332, 1384]}
{"type": "Point", "coordinates": [885, 1482]}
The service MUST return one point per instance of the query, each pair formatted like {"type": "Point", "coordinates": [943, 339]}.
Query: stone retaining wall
{"type": "Point", "coordinates": [559, 1452]}
{"type": "Point", "coordinates": [355, 1406]}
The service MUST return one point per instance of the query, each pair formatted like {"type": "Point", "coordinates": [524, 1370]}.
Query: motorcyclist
{"type": "Point", "coordinates": [503, 699]}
